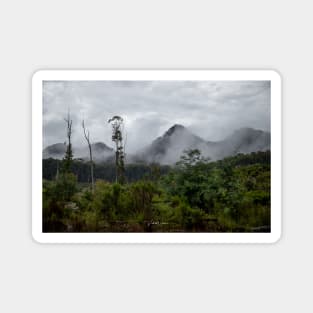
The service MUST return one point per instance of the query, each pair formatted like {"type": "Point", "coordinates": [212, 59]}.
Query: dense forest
{"type": "Point", "coordinates": [195, 195]}
{"type": "Point", "coordinates": [105, 171]}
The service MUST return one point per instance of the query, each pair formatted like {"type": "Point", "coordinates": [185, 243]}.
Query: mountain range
{"type": "Point", "coordinates": [168, 148]}
{"type": "Point", "coordinates": [100, 152]}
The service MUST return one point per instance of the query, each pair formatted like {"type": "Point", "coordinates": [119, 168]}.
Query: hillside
{"type": "Point", "coordinates": [168, 148]}
{"type": "Point", "coordinates": [101, 152]}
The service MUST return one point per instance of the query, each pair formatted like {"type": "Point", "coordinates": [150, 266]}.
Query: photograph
{"type": "Point", "coordinates": [156, 156]}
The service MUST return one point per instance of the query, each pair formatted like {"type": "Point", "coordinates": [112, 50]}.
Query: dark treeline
{"type": "Point", "coordinates": [195, 195]}
{"type": "Point", "coordinates": [104, 171]}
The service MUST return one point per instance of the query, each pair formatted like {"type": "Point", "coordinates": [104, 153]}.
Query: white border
{"type": "Point", "coordinates": [42, 75]}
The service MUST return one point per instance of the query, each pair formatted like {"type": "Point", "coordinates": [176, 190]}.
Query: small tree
{"type": "Point", "coordinates": [87, 137]}
{"type": "Point", "coordinates": [190, 158]}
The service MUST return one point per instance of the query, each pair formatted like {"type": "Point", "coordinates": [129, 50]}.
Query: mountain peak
{"type": "Point", "coordinates": [168, 148]}
{"type": "Point", "coordinates": [101, 146]}
{"type": "Point", "coordinates": [174, 128]}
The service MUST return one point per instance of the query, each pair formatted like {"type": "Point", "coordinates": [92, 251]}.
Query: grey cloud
{"type": "Point", "coordinates": [211, 109]}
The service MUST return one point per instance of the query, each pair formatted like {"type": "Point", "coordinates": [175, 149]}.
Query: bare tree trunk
{"type": "Point", "coordinates": [86, 134]}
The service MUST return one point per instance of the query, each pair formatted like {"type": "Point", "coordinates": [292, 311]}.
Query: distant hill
{"type": "Point", "coordinates": [244, 140]}
{"type": "Point", "coordinates": [168, 148]}
{"type": "Point", "coordinates": [55, 151]}
{"type": "Point", "coordinates": [101, 152]}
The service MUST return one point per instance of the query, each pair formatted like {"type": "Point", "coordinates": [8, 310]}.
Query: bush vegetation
{"type": "Point", "coordinates": [196, 195]}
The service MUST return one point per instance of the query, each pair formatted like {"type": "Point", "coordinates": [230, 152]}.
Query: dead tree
{"type": "Point", "coordinates": [87, 137]}
{"type": "Point", "coordinates": [68, 158]}
{"type": "Point", "coordinates": [117, 138]}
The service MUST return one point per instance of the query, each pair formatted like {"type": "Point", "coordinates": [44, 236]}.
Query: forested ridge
{"type": "Point", "coordinates": [104, 171]}
{"type": "Point", "coordinates": [195, 195]}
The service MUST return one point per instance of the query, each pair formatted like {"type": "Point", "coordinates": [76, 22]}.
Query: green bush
{"type": "Point", "coordinates": [231, 195]}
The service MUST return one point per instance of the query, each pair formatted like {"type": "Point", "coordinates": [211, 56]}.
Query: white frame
{"type": "Point", "coordinates": [44, 75]}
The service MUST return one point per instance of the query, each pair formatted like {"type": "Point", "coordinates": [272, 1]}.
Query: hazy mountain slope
{"type": "Point", "coordinates": [100, 151]}
{"type": "Point", "coordinates": [55, 151]}
{"type": "Point", "coordinates": [168, 148]}
{"type": "Point", "coordinates": [245, 140]}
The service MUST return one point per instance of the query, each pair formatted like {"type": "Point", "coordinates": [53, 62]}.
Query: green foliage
{"type": "Point", "coordinates": [231, 195]}
{"type": "Point", "coordinates": [67, 161]}
{"type": "Point", "coordinates": [106, 171]}
{"type": "Point", "coordinates": [141, 198]}
{"type": "Point", "coordinates": [65, 186]}
{"type": "Point", "coordinates": [57, 203]}
{"type": "Point", "coordinates": [234, 190]}
{"type": "Point", "coordinates": [191, 158]}
{"type": "Point", "coordinates": [103, 201]}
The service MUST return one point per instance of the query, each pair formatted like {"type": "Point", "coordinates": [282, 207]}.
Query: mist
{"type": "Point", "coordinates": [211, 110]}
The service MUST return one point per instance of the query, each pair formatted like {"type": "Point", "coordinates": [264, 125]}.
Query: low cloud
{"type": "Point", "coordinates": [211, 109]}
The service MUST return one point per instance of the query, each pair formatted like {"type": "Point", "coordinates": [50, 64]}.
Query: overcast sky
{"type": "Point", "coordinates": [210, 109]}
